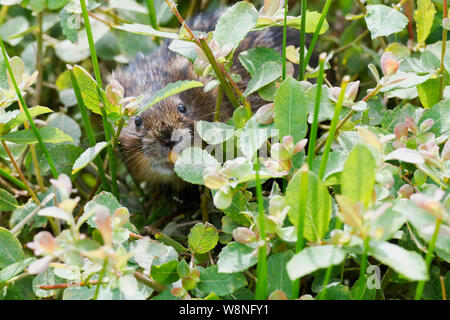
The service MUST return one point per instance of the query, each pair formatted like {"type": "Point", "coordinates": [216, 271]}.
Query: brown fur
{"type": "Point", "coordinates": [143, 153]}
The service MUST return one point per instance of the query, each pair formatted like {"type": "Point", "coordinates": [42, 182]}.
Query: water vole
{"type": "Point", "coordinates": [146, 141]}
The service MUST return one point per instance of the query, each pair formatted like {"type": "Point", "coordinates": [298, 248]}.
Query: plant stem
{"type": "Point", "coordinates": [34, 159]}
{"type": "Point", "coordinates": [337, 112]}
{"type": "Point", "coordinates": [19, 171]}
{"type": "Point", "coordinates": [223, 82]}
{"type": "Point", "coordinates": [301, 223]}
{"type": "Point", "coordinates": [218, 104]}
{"type": "Point", "coordinates": [283, 71]}
{"type": "Point", "coordinates": [100, 279]}
{"type": "Point", "coordinates": [363, 269]}
{"type": "Point", "coordinates": [316, 33]}
{"type": "Point", "coordinates": [428, 258]}
{"type": "Point", "coordinates": [349, 115]}
{"type": "Point", "coordinates": [88, 127]}
{"type": "Point", "coordinates": [16, 229]}
{"type": "Point", "coordinates": [39, 56]}
{"type": "Point", "coordinates": [152, 14]}
{"type": "Point", "coordinates": [27, 113]}
{"type": "Point", "coordinates": [149, 282]}
{"type": "Point", "coordinates": [12, 179]}
{"type": "Point", "coordinates": [314, 126]}
{"type": "Point", "coordinates": [98, 78]}
{"type": "Point", "coordinates": [443, 49]}
{"type": "Point", "coordinates": [302, 67]}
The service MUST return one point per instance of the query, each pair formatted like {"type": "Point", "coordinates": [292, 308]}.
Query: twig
{"type": "Point", "coordinates": [30, 216]}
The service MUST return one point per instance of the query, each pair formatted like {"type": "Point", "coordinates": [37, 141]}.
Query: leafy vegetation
{"type": "Point", "coordinates": [337, 188]}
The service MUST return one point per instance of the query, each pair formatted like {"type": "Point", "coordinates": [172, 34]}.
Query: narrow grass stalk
{"type": "Point", "coordinates": [301, 223]}
{"type": "Point", "coordinates": [34, 159]}
{"type": "Point", "coordinates": [88, 127]}
{"type": "Point", "coordinates": [152, 14]}
{"type": "Point", "coordinates": [284, 40]}
{"type": "Point", "coordinates": [27, 113]}
{"type": "Point", "coordinates": [334, 122]}
{"type": "Point", "coordinates": [363, 269]}
{"type": "Point", "coordinates": [261, 268]}
{"type": "Point", "coordinates": [315, 124]}
{"type": "Point", "coordinates": [100, 279]}
{"type": "Point", "coordinates": [223, 82]}
{"type": "Point", "coordinates": [98, 78]}
{"type": "Point", "coordinates": [301, 72]}
{"type": "Point", "coordinates": [316, 33]}
{"type": "Point", "coordinates": [327, 277]}
{"type": "Point", "coordinates": [444, 46]}
{"type": "Point", "coordinates": [218, 104]}
{"type": "Point", "coordinates": [152, 17]}
{"type": "Point", "coordinates": [3, 12]}
{"type": "Point", "coordinates": [428, 258]}
{"type": "Point", "coordinates": [39, 58]}
{"type": "Point", "coordinates": [12, 179]}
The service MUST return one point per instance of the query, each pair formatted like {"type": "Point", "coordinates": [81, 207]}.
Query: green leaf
{"type": "Point", "coordinates": [57, 213]}
{"type": "Point", "coordinates": [146, 30]}
{"type": "Point", "coordinates": [21, 212]}
{"type": "Point", "coordinates": [268, 72]}
{"type": "Point", "coordinates": [311, 259]}
{"type": "Point", "coordinates": [277, 276]}
{"type": "Point", "coordinates": [14, 269]}
{"type": "Point", "coordinates": [88, 156]}
{"type": "Point", "coordinates": [253, 60]}
{"type": "Point", "coordinates": [429, 92]}
{"type": "Point", "coordinates": [424, 16]}
{"type": "Point", "coordinates": [68, 29]}
{"type": "Point", "coordinates": [235, 23]}
{"type": "Point", "coordinates": [214, 132]}
{"type": "Point", "coordinates": [46, 278]}
{"type": "Point", "coordinates": [424, 223]}
{"type": "Point", "coordinates": [16, 118]}
{"type": "Point", "coordinates": [64, 157]}
{"type": "Point", "coordinates": [192, 162]}
{"type": "Point", "coordinates": [384, 21]}
{"type": "Point", "coordinates": [318, 205]}
{"type": "Point", "coordinates": [337, 291]}
{"type": "Point", "coordinates": [254, 135]}
{"type": "Point", "coordinates": [358, 177]}
{"type": "Point", "coordinates": [203, 238]}
{"type": "Point", "coordinates": [291, 110]}
{"type": "Point", "coordinates": [79, 293]}
{"type": "Point", "coordinates": [211, 280]}
{"type": "Point", "coordinates": [14, 26]}
{"type": "Point", "coordinates": [236, 257]}
{"type": "Point", "coordinates": [7, 201]}
{"type": "Point", "coordinates": [165, 273]}
{"type": "Point", "coordinates": [168, 91]}
{"type": "Point", "coordinates": [439, 113]}
{"type": "Point", "coordinates": [48, 135]}
{"type": "Point", "coordinates": [10, 249]}
{"type": "Point", "coordinates": [102, 199]}
{"type": "Point", "coordinates": [90, 92]}
{"type": "Point", "coordinates": [67, 125]}
{"type": "Point", "coordinates": [56, 4]}
{"type": "Point", "coordinates": [407, 263]}
{"type": "Point", "coordinates": [393, 117]}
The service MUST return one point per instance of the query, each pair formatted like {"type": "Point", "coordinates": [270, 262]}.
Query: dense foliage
{"type": "Point", "coordinates": [337, 188]}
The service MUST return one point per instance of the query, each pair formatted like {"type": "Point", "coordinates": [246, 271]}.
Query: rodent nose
{"type": "Point", "coordinates": [166, 139]}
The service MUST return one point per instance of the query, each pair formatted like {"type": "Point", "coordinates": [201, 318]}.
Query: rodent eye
{"type": "Point", "coordinates": [138, 121]}
{"type": "Point", "coordinates": [182, 108]}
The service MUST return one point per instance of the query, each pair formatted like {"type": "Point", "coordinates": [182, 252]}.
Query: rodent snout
{"type": "Point", "coordinates": [166, 139]}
